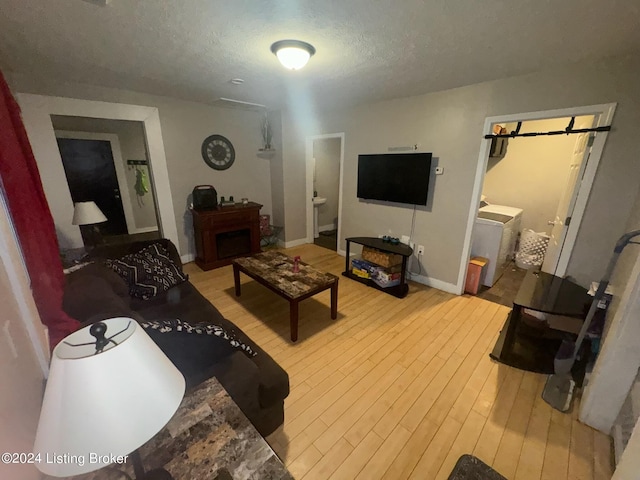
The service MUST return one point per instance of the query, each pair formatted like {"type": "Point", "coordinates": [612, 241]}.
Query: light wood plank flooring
{"type": "Point", "coordinates": [400, 388]}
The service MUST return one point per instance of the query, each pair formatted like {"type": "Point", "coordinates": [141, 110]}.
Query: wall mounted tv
{"type": "Point", "coordinates": [394, 177]}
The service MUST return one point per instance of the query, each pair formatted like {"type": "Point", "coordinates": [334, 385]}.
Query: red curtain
{"type": "Point", "coordinates": [31, 218]}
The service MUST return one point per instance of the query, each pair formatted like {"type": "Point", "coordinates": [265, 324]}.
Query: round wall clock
{"type": "Point", "coordinates": [218, 152]}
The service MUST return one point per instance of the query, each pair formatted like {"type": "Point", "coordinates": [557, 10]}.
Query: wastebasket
{"type": "Point", "coordinates": [533, 247]}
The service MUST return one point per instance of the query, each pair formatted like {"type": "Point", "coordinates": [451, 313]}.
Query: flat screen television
{"type": "Point", "coordinates": [394, 177]}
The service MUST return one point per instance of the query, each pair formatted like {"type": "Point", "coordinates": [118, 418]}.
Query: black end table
{"type": "Point", "coordinates": [531, 344]}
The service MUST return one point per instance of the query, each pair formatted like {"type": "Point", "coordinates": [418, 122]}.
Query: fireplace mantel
{"type": "Point", "coordinates": [226, 233]}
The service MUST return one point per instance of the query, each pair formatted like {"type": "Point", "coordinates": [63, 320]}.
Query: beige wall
{"type": "Point", "coordinates": [326, 152]}
{"type": "Point", "coordinates": [132, 145]}
{"type": "Point", "coordinates": [184, 127]}
{"type": "Point", "coordinates": [21, 372]}
{"type": "Point", "coordinates": [533, 173]}
{"type": "Point", "coordinates": [619, 358]}
{"type": "Point", "coordinates": [450, 124]}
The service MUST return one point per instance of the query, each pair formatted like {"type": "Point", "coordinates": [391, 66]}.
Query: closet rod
{"type": "Point", "coordinates": [566, 131]}
{"type": "Point", "coordinates": [559, 132]}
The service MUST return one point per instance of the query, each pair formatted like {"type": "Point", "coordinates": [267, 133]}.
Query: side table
{"type": "Point", "coordinates": [530, 344]}
{"type": "Point", "coordinates": [208, 433]}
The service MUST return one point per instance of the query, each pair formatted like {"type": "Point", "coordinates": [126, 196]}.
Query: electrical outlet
{"type": "Point", "coordinates": [420, 249]}
{"type": "Point", "coordinates": [439, 170]}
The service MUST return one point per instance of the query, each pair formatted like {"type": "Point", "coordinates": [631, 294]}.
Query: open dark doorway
{"type": "Point", "coordinates": [91, 175]}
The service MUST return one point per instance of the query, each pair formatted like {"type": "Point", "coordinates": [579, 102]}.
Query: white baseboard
{"type": "Point", "coordinates": [435, 283]}
{"type": "Point", "coordinates": [294, 243]}
{"type": "Point", "coordinates": [189, 257]}
{"type": "Point", "coordinates": [326, 228]}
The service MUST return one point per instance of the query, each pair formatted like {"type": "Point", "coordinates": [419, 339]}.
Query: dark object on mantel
{"type": "Point", "coordinates": [204, 197]}
{"type": "Point", "coordinates": [405, 251]}
{"type": "Point", "coordinates": [257, 384]}
{"type": "Point", "coordinates": [528, 343]}
{"type": "Point", "coordinates": [225, 233]}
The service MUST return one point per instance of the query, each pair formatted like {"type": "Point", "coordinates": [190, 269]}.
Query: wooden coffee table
{"type": "Point", "coordinates": [274, 270]}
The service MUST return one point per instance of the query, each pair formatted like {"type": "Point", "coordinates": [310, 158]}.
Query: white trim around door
{"type": "Point", "coordinates": [603, 115]}
{"type": "Point", "coordinates": [36, 115]}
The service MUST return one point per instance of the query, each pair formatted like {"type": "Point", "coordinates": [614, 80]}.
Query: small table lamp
{"type": "Point", "coordinates": [110, 390]}
{"type": "Point", "coordinates": [88, 213]}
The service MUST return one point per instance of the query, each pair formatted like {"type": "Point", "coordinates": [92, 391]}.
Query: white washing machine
{"type": "Point", "coordinates": [495, 235]}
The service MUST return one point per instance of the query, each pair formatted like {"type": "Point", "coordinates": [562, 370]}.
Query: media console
{"type": "Point", "coordinates": [405, 251]}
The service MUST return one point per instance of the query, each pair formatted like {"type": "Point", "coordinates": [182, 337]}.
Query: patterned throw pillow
{"type": "Point", "coordinates": [148, 272]}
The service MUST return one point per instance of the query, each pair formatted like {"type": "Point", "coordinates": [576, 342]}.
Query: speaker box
{"type": "Point", "coordinates": [205, 197]}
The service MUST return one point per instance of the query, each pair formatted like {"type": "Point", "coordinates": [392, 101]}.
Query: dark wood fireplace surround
{"type": "Point", "coordinates": [225, 233]}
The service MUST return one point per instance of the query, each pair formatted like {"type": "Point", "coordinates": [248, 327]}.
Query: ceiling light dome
{"type": "Point", "coordinates": [293, 54]}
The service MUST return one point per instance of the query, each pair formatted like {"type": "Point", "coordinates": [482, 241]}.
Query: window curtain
{"type": "Point", "coordinates": [31, 218]}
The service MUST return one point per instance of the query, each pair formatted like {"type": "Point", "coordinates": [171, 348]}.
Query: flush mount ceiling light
{"type": "Point", "coordinates": [293, 54]}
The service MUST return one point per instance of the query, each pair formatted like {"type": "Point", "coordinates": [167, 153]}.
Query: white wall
{"type": "Point", "coordinates": [22, 357]}
{"type": "Point", "coordinates": [450, 124]}
{"type": "Point", "coordinates": [326, 152]}
{"type": "Point", "coordinates": [185, 125]}
{"type": "Point", "coordinates": [132, 146]}
{"type": "Point", "coordinates": [533, 173]}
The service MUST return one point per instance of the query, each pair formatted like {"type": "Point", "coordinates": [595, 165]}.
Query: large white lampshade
{"type": "Point", "coordinates": [293, 54]}
{"type": "Point", "coordinates": [87, 213]}
{"type": "Point", "coordinates": [104, 404]}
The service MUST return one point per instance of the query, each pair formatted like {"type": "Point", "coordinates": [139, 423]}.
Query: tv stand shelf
{"type": "Point", "coordinates": [405, 251]}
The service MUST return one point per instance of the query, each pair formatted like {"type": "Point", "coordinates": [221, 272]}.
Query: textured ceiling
{"type": "Point", "coordinates": [367, 50]}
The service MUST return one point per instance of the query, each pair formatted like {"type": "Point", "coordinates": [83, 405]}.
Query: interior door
{"type": "Point", "coordinates": [562, 218]}
{"type": "Point", "coordinates": [91, 175]}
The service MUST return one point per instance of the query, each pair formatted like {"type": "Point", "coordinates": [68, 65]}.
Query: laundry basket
{"type": "Point", "coordinates": [533, 246]}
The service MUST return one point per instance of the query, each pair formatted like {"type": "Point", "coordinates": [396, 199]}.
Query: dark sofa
{"type": "Point", "coordinates": [257, 383]}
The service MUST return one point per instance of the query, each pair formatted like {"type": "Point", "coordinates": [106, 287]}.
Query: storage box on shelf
{"type": "Point", "coordinates": [383, 277]}
{"type": "Point", "coordinates": [384, 259]}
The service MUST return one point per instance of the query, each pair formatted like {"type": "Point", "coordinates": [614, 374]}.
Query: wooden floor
{"type": "Point", "coordinates": [401, 388]}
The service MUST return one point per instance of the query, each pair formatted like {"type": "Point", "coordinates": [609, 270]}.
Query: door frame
{"type": "Point", "coordinates": [309, 184]}
{"type": "Point", "coordinates": [603, 115]}
{"type": "Point", "coordinates": [121, 175]}
{"type": "Point", "coordinates": [36, 116]}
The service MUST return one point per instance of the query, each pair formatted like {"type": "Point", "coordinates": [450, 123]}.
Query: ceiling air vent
{"type": "Point", "coordinates": [100, 3]}
{"type": "Point", "coordinates": [239, 104]}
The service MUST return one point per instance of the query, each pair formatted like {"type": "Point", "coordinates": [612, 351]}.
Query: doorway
{"type": "Point", "coordinates": [91, 176]}
{"type": "Point", "coordinates": [574, 183]}
{"type": "Point", "coordinates": [527, 181]}
{"type": "Point", "coordinates": [36, 113]}
{"type": "Point", "coordinates": [325, 155]}
{"type": "Point", "coordinates": [106, 161]}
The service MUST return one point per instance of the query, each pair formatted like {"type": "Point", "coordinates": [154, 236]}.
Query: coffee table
{"type": "Point", "coordinates": [274, 270]}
